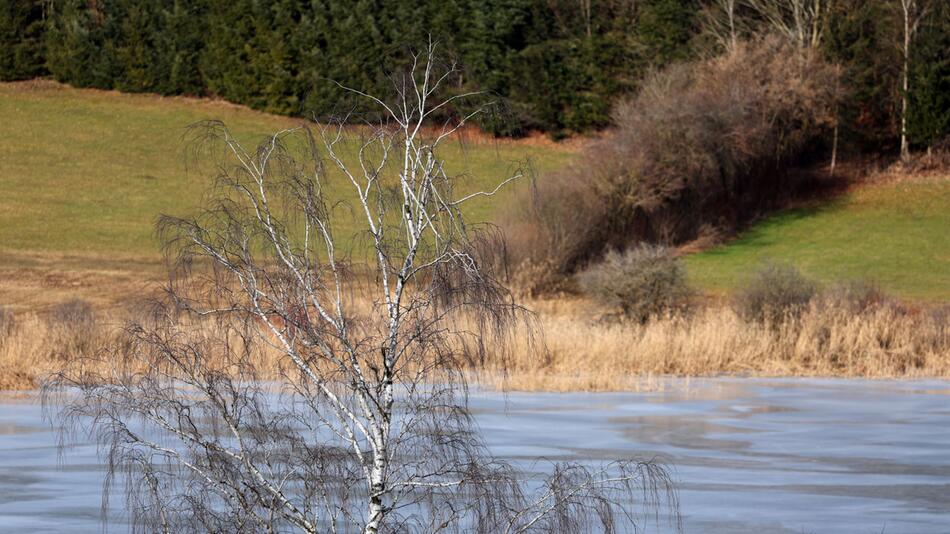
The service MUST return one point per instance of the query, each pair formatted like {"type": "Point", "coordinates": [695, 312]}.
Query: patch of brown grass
{"type": "Point", "coordinates": [38, 281]}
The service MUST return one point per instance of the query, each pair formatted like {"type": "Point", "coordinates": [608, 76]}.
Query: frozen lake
{"type": "Point", "coordinates": [749, 455]}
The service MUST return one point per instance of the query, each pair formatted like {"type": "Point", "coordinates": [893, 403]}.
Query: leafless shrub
{"type": "Point", "coordinates": [367, 429]}
{"type": "Point", "coordinates": [774, 293]}
{"type": "Point", "coordinates": [556, 228]}
{"type": "Point", "coordinates": [643, 282]}
{"type": "Point", "coordinates": [73, 329]}
{"type": "Point", "coordinates": [702, 144]}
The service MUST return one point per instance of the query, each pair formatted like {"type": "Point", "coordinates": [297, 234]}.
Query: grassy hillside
{"type": "Point", "coordinates": [894, 234]}
{"type": "Point", "coordinates": [85, 173]}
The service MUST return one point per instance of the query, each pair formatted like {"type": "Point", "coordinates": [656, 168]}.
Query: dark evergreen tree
{"type": "Point", "coordinates": [929, 99]}
{"type": "Point", "coordinates": [79, 43]}
{"type": "Point", "coordinates": [665, 29]}
{"type": "Point", "coordinates": [181, 44]}
{"type": "Point", "coordinates": [862, 37]}
{"type": "Point", "coordinates": [157, 46]}
{"type": "Point", "coordinates": [577, 61]}
{"type": "Point", "coordinates": [22, 23]}
{"type": "Point", "coordinates": [135, 46]}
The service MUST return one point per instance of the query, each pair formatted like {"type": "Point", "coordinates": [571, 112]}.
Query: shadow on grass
{"type": "Point", "coordinates": [764, 232]}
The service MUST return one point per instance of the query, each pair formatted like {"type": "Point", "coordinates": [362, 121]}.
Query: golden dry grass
{"type": "Point", "coordinates": [26, 351]}
{"type": "Point", "coordinates": [827, 340]}
{"type": "Point", "coordinates": [36, 345]}
{"type": "Point", "coordinates": [584, 353]}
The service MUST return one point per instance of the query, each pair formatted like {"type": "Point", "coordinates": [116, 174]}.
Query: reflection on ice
{"type": "Point", "coordinates": [750, 455]}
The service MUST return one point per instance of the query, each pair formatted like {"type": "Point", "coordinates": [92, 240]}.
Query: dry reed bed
{"type": "Point", "coordinates": [34, 345]}
{"type": "Point", "coordinates": [826, 340]}
{"type": "Point", "coordinates": [586, 353]}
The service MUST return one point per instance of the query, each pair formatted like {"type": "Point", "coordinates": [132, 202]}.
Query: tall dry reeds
{"type": "Point", "coordinates": [34, 345]}
{"type": "Point", "coordinates": [586, 350]}
{"type": "Point", "coordinates": [826, 339]}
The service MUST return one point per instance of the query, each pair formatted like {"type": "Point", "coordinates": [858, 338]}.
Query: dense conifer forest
{"type": "Point", "coordinates": [556, 66]}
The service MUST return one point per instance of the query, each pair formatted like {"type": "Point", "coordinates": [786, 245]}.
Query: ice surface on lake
{"type": "Point", "coordinates": [749, 455]}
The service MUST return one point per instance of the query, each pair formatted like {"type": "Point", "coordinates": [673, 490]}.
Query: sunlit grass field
{"type": "Point", "coordinates": [85, 173]}
{"type": "Point", "coordinates": [896, 235]}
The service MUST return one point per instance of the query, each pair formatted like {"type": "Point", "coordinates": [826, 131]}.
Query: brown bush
{"type": "Point", "coordinates": [773, 294]}
{"type": "Point", "coordinates": [643, 282]}
{"type": "Point", "coordinates": [703, 145]}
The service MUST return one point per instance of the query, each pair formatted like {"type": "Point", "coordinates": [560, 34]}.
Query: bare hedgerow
{"type": "Point", "coordinates": [773, 293]}
{"type": "Point", "coordinates": [708, 144]}
{"type": "Point", "coordinates": [367, 428]}
{"type": "Point", "coordinates": [643, 282]}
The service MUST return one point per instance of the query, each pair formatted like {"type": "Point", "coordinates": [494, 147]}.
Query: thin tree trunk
{"type": "Point", "coordinates": [905, 151]}
{"type": "Point", "coordinates": [732, 25]}
{"type": "Point", "coordinates": [586, 7]}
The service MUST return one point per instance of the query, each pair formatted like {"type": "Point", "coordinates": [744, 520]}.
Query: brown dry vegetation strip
{"type": "Point", "coordinates": [37, 281]}
{"type": "Point", "coordinates": [583, 353]}
{"type": "Point", "coordinates": [885, 341]}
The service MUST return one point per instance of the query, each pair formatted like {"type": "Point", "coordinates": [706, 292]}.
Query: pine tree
{"type": "Point", "coordinates": [861, 37]}
{"type": "Point", "coordinates": [181, 44]}
{"type": "Point", "coordinates": [22, 23]}
{"type": "Point", "coordinates": [666, 27]}
{"type": "Point", "coordinates": [78, 50]}
{"type": "Point", "coordinates": [136, 46]}
{"type": "Point", "coordinates": [929, 97]}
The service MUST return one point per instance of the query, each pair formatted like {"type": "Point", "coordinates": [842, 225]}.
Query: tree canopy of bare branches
{"type": "Point", "coordinates": [358, 421]}
{"type": "Point", "coordinates": [801, 22]}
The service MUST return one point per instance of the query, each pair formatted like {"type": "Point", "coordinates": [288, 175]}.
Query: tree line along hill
{"type": "Point", "coordinates": [556, 66]}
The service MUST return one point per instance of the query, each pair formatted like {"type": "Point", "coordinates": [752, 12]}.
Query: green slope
{"type": "Point", "coordinates": [86, 172]}
{"type": "Point", "coordinates": [897, 235]}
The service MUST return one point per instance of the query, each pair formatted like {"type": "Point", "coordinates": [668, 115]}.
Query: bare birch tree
{"type": "Point", "coordinates": [720, 18]}
{"type": "Point", "coordinates": [802, 21]}
{"type": "Point", "coordinates": [365, 427]}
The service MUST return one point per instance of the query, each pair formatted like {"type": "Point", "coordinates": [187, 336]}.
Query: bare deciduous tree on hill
{"type": "Point", "coordinates": [721, 20]}
{"type": "Point", "coordinates": [366, 428]}
{"type": "Point", "coordinates": [800, 21]}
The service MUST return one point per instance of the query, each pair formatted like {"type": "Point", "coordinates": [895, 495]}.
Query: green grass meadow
{"type": "Point", "coordinates": [87, 172]}
{"type": "Point", "coordinates": [896, 235]}
{"type": "Point", "coordinates": [84, 174]}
